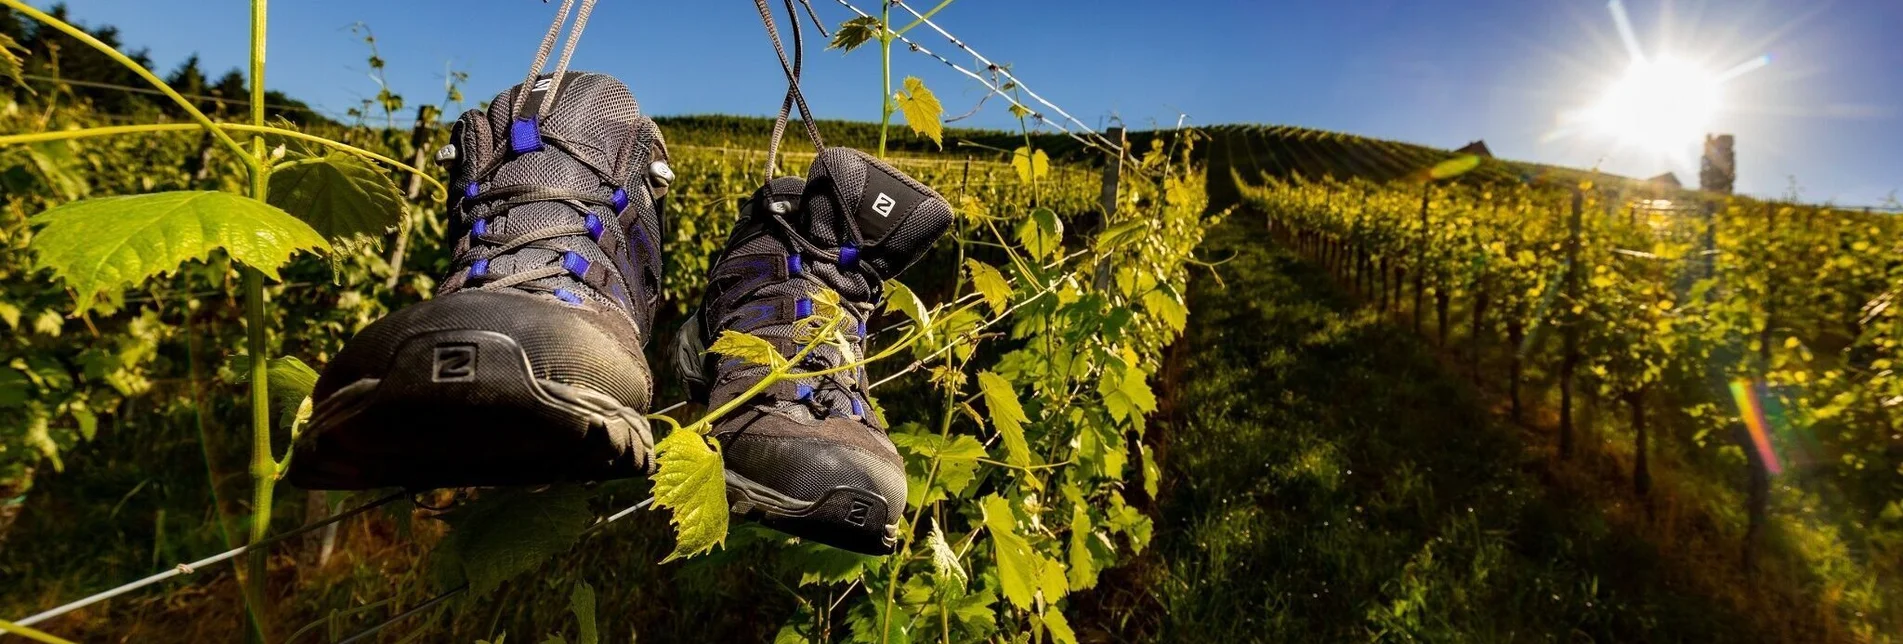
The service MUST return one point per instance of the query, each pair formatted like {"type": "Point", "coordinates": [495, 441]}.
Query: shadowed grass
{"type": "Point", "coordinates": [1331, 480]}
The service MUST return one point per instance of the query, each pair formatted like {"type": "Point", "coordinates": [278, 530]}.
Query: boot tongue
{"type": "Point", "coordinates": [595, 116]}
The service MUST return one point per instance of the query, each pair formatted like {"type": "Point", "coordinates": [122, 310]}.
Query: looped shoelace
{"type": "Point", "coordinates": [484, 247]}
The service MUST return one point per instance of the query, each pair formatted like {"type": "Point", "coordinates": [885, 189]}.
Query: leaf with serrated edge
{"type": "Point", "coordinates": [1007, 416]}
{"type": "Point", "coordinates": [1017, 563]}
{"type": "Point", "coordinates": [991, 284]}
{"type": "Point", "coordinates": [343, 197]}
{"type": "Point", "coordinates": [581, 603]}
{"type": "Point", "coordinates": [1031, 165]}
{"type": "Point", "coordinates": [945, 567]}
{"type": "Point", "coordinates": [1083, 572]}
{"type": "Point", "coordinates": [899, 297]}
{"type": "Point", "coordinates": [692, 483]}
{"type": "Point", "coordinates": [103, 243]}
{"type": "Point", "coordinates": [1042, 234]}
{"type": "Point", "coordinates": [747, 348]}
{"type": "Point", "coordinates": [855, 32]}
{"type": "Point", "coordinates": [10, 61]}
{"type": "Point", "coordinates": [505, 534]}
{"type": "Point", "coordinates": [921, 110]}
{"type": "Point", "coordinates": [1059, 627]}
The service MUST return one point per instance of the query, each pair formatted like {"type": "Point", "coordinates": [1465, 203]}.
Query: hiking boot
{"type": "Point", "coordinates": [527, 367]}
{"type": "Point", "coordinates": [810, 457]}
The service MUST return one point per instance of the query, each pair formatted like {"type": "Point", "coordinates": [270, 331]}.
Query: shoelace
{"type": "Point", "coordinates": [484, 247]}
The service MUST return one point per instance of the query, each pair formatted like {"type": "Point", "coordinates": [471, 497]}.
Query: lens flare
{"type": "Point", "coordinates": [1751, 408]}
{"type": "Point", "coordinates": [1661, 104]}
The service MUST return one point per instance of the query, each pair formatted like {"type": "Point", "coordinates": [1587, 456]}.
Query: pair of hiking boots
{"type": "Point", "coordinates": [528, 366]}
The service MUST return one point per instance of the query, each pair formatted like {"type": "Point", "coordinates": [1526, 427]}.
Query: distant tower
{"type": "Point", "coordinates": [1720, 170]}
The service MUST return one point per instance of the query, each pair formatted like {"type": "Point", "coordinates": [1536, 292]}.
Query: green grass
{"type": "Point", "coordinates": [1329, 480]}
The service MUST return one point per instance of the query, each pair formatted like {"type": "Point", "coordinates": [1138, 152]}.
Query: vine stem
{"type": "Point", "coordinates": [885, 72]}
{"type": "Point", "coordinates": [203, 121]}
{"type": "Point", "coordinates": [32, 633]}
{"type": "Point", "coordinates": [115, 130]}
{"type": "Point", "coordinates": [264, 467]}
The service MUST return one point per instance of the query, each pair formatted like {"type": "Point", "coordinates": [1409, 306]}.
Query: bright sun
{"type": "Point", "coordinates": [1662, 105]}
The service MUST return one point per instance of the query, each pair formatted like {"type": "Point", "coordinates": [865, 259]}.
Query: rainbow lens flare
{"type": "Point", "coordinates": [1751, 407]}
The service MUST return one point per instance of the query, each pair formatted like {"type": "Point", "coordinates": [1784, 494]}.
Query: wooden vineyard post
{"type": "Point", "coordinates": [1475, 338]}
{"type": "Point", "coordinates": [1569, 363]}
{"type": "Point", "coordinates": [420, 139]}
{"type": "Point", "coordinates": [1420, 258]}
{"type": "Point", "coordinates": [1112, 174]}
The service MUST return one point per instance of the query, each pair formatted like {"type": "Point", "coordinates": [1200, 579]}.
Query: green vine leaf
{"type": "Point", "coordinates": [507, 533]}
{"type": "Point", "coordinates": [1017, 563]}
{"type": "Point", "coordinates": [1164, 305]}
{"type": "Point", "coordinates": [945, 567]}
{"type": "Point", "coordinates": [1006, 415]}
{"type": "Point", "coordinates": [1042, 234]}
{"type": "Point", "coordinates": [61, 167]}
{"type": "Point", "coordinates": [991, 284]}
{"type": "Point", "coordinates": [899, 297]}
{"type": "Point", "coordinates": [343, 197]}
{"type": "Point", "coordinates": [1125, 392]}
{"type": "Point", "coordinates": [9, 60]}
{"type": "Point", "coordinates": [855, 32]}
{"type": "Point", "coordinates": [693, 484]}
{"type": "Point", "coordinates": [747, 348]}
{"type": "Point", "coordinates": [582, 604]}
{"type": "Point", "coordinates": [104, 243]}
{"type": "Point", "coordinates": [1083, 569]}
{"type": "Point", "coordinates": [1031, 165]}
{"type": "Point", "coordinates": [291, 382]}
{"type": "Point", "coordinates": [922, 110]}
{"type": "Point", "coordinates": [957, 464]}
{"type": "Point", "coordinates": [1059, 627]}
{"type": "Point", "coordinates": [817, 563]}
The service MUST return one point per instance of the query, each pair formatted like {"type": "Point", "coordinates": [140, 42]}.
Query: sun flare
{"type": "Point", "coordinates": [1661, 105]}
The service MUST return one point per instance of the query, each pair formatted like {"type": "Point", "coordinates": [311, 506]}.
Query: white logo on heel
{"type": "Point", "coordinates": [883, 205]}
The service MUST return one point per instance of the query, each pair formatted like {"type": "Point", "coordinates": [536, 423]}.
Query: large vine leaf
{"type": "Point", "coordinates": [104, 243]}
{"type": "Point", "coordinates": [1006, 415]}
{"type": "Point", "coordinates": [922, 110]}
{"type": "Point", "coordinates": [1042, 234]}
{"type": "Point", "coordinates": [1125, 392]}
{"type": "Point", "coordinates": [1017, 563]}
{"type": "Point", "coordinates": [343, 197]}
{"type": "Point", "coordinates": [747, 348]}
{"type": "Point", "coordinates": [1030, 164]}
{"type": "Point", "coordinates": [990, 284]}
{"type": "Point", "coordinates": [957, 462]}
{"type": "Point", "coordinates": [507, 533]}
{"type": "Point", "coordinates": [693, 484]}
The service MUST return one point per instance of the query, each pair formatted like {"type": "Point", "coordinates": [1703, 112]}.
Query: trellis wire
{"type": "Point", "coordinates": [189, 568]}
{"type": "Point", "coordinates": [1114, 151]}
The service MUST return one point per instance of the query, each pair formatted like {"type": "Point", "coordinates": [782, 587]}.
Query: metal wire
{"type": "Point", "coordinates": [1006, 72]}
{"type": "Point", "coordinates": [1119, 153]}
{"type": "Point", "coordinates": [189, 568]}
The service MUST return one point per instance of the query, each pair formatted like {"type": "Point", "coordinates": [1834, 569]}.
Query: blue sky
{"type": "Point", "coordinates": [1827, 112]}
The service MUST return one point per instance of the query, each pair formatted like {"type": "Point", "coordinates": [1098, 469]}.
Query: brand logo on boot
{"type": "Point", "coordinates": [883, 205]}
{"type": "Point", "coordinates": [857, 514]}
{"type": "Point", "coordinates": [454, 363]}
